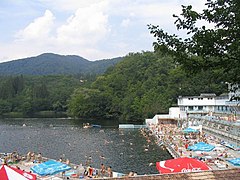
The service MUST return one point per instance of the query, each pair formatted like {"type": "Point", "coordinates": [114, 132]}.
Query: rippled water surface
{"type": "Point", "coordinates": [124, 150]}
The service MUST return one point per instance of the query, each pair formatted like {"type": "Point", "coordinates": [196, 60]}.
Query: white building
{"type": "Point", "coordinates": [205, 104]}
{"type": "Point", "coordinates": [174, 113]}
{"type": "Point", "coordinates": [224, 106]}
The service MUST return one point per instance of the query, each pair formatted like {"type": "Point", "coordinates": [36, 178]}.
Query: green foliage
{"type": "Point", "coordinates": [5, 106]}
{"type": "Point", "coordinates": [206, 48]}
{"type": "Point", "coordinates": [89, 103]}
{"type": "Point", "coordinates": [31, 94]}
{"type": "Point", "coordinates": [139, 87]}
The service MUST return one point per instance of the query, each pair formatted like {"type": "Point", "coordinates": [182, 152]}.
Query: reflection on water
{"type": "Point", "coordinates": [124, 150]}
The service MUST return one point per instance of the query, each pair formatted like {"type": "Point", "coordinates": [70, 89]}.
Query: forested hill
{"type": "Point", "coordinates": [142, 85]}
{"type": "Point", "coordinates": [54, 64]}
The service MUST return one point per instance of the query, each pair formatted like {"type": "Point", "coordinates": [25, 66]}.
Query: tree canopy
{"type": "Point", "coordinates": [142, 85]}
{"type": "Point", "coordinates": [216, 48]}
{"type": "Point", "coordinates": [30, 94]}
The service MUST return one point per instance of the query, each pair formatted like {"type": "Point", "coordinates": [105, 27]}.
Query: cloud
{"type": "Point", "coordinates": [38, 29]}
{"type": "Point", "coordinates": [86, 27]}
{"type": "Point", "coordinates": [79, 34]}
{"type": "Point", "coordinates": [125, 23]}
{"type": "Point", "coordinates": [94, 29]}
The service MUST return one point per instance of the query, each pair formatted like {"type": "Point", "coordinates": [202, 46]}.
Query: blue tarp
{"type": "Point", "coordinates": [50, 167]}
{"type": "Point", "coordinates": [190, 130]}
{"type": "Point", "coordinates": [201, 146]}
{"type": "Point", "coordinates": [235, 162]}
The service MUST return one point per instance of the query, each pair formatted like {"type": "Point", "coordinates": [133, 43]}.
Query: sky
{"type": "Point", "coordinates": [93, 29]}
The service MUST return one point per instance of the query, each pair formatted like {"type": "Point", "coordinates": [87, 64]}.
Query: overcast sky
{"type": "Point", "coordinates": [93, 29]}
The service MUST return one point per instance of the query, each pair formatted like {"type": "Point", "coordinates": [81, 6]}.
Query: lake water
{"type": "Point", "coordinates": [124, 150]}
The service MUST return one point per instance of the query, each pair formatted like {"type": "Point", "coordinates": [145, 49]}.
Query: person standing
{"type": "Point", "coordinates": [109, 171]}
{"type": "Point", "coordinates": [103, 170]}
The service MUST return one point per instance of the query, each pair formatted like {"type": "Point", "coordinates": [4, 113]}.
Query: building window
{"type": "Point", "coordinates": [200, 108]}
{"type": "Point", "coordinates": [190, 108]}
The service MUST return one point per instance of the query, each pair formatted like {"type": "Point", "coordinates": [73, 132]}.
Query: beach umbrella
{"type": "Point", "coordinates": [190, 130]}
{"type": "Point", "coordinates": [181, 165]}
{"type": "Point", "coordinates": [235, 162]}
{"type": "Point", "coordinates": [10, 173]}
{"type": "Point", "coordinates": [50, 167]}
{"type": "Point", "coordinates": [201, 146]}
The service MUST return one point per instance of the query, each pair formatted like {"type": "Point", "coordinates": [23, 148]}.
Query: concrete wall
{"type": "Point", "coordinates": [174, 112]}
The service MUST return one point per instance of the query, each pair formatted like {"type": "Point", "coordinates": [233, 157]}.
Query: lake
{"type": "Point", "coordinates": [123, 150]}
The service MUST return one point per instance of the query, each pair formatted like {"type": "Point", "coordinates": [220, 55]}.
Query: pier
{"type": "Point", "coordinates": [131, 126]}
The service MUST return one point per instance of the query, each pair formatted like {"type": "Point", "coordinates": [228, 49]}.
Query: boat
{"type": "Point", "coordinates": [88, 125]}
{"type": "Point", "coordinates": [96, 126]}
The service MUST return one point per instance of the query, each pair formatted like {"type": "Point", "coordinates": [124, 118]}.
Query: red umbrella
{"type": "Point", "coordinates": [10, 173]}
{"type": "Point", "coordinates": [181, 165]}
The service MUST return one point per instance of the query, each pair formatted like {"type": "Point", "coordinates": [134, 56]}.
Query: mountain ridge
{"type": "Point", "coordinates": [55, 64]}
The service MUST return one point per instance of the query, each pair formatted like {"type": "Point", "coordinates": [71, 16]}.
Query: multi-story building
{"type": "Point", "coordinates": [218, 115]}
{"type": "Point", "coordinates": [205, 104]}
{"type": "Point", "coordinates": [209, 104]}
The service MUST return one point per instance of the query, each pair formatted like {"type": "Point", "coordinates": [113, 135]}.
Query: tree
{"type": "Point", "coordinates": [5, 106]}
{"type": "Point", "coordinates": [217, 49]}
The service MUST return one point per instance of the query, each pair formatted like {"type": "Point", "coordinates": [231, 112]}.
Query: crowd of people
{"type": "Point", "coordinates": [88, 171]}
{"type": "Point", "coordinates": [15, 157]}
{"type": "Point", "coordinates": [173, 136]}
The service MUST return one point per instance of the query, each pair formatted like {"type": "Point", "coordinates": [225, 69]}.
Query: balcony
{"type": "Point", "coordinates": [233, 103]}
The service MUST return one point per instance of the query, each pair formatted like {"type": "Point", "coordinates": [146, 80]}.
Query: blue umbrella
{"type": "Point", "coordinates": [190, 130]}
{"type": "Point", "coordinates": [201, 146]}
{"type": "Point", "coordinates": [50, 167]}
{"type": "Point", "coordinates": [235, 162]}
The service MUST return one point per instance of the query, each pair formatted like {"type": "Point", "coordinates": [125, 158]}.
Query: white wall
{"type": "Point", "coordinates": [174, 112]}
{"type": "Point", "coordinates": [195, 101]}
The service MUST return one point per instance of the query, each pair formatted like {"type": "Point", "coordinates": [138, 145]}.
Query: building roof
{"type": "Point", "coordinates": [207, 95]}
{"type": "Point", "coordinates": [202, 95]}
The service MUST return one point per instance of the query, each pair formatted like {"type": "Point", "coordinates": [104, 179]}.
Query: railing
{"type": "Point", "coordinates": [217, 120]}
{"type": "Point", "coordinates": [232, 137]}
{"type": "Point", "coordinates": [170, 149]}
{"type": "Point", "coordinates": [232, 102]}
